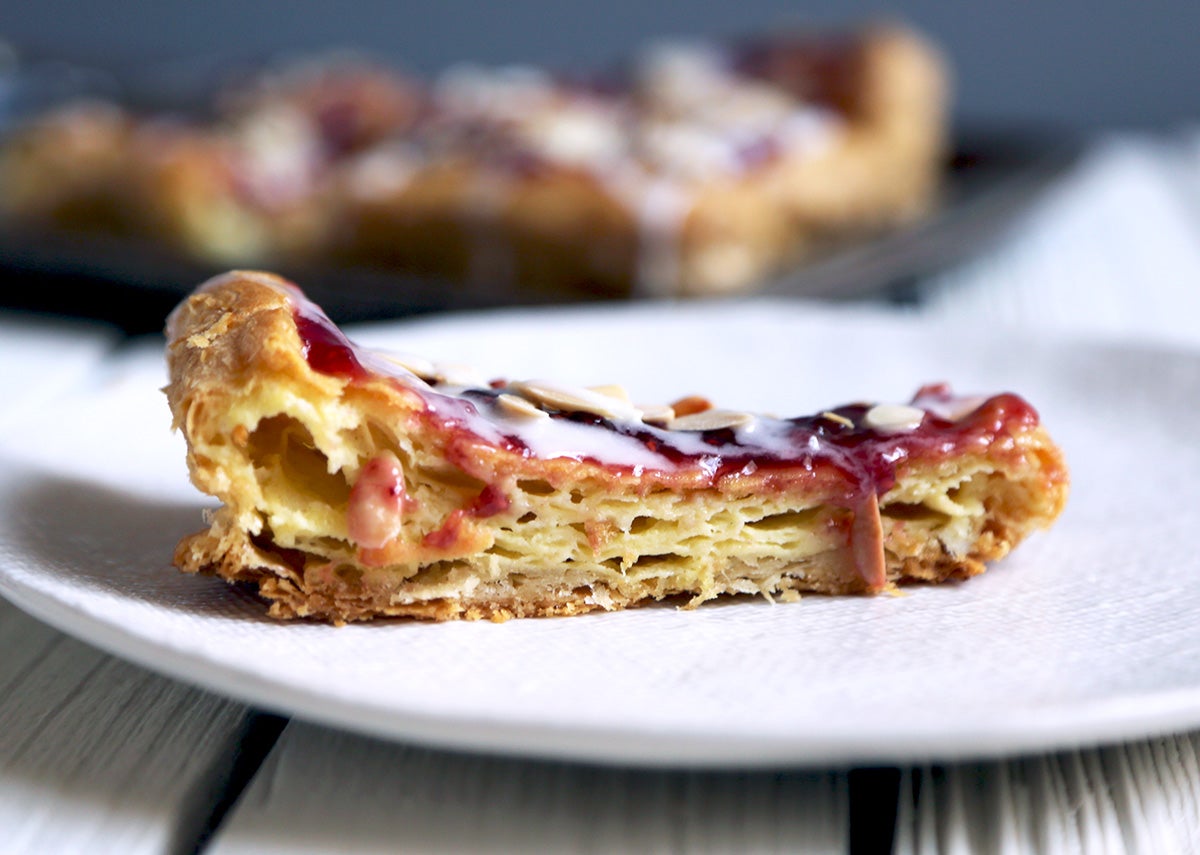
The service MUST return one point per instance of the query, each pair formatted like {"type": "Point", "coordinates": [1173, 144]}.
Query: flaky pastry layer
{"type": "Point", "coordinates": [350, 491]}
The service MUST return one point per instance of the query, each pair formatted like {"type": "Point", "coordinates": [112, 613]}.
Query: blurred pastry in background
{"type": "Point", "coordinates": [64, 169]}
{"type": "Point", "coordinates": [698, 168]}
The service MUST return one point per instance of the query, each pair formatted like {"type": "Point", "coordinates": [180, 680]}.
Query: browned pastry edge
{"type": "Point", "coordinates": [240, 335]}
{"type": "Point", "coordinates": [341, 601]}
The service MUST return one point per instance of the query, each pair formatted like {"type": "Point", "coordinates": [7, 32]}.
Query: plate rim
{"type": "Point", "coordinates": [1103, 723]}
{"type": "Point", "coordinates": [1054, 728]}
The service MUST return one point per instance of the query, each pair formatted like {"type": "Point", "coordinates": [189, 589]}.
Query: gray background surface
{"type": "Point", "coordinates": [1078, 64]}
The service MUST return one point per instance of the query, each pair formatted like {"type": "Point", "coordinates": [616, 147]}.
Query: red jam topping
{"type": "Point", "coordinates": [324, 346]}
{"type": "Point", "coordinates": [375, 514]}
{"type": "Point", "coordinates": [855, 448]}
{"type": "Point", "coordinates": [489, 502]}
{"type": "Point", "coordinates": [866, 457]}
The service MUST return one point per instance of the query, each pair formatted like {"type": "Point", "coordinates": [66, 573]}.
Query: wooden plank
{"type": "Point", "coordinates": [1138, 797]}
{"type": "Point", "coordinates": [874, 800]}
{"type": "Point", "coordinates": [98, 755]}
{"type": "Point", "coordinates": [326, 791]}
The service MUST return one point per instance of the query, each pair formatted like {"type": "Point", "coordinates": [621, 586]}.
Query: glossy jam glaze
{"type": "Point", "coordinates": [835, 442]}
{"type": "Point", "coordinates": [378, 500]}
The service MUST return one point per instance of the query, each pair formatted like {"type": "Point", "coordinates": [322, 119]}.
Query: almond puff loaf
{"type": "Point", "coordinates": [355, 484]}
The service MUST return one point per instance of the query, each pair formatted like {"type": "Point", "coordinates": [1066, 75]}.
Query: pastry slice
{"type": "Point", "coordinates": [357, 485]}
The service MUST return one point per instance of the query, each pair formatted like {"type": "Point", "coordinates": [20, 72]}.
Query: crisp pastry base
{"type": "Point", "coordinates": [474, 528]}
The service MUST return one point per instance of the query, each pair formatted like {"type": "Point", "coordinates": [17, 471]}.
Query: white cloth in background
{"type": "Point", "coordinates": [43, 358]}
{"type": "Point", "coordinates": [1113, 249]}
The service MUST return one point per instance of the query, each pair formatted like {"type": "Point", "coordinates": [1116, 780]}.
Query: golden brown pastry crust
{"type": "Point", "coordinates": [484, 530]}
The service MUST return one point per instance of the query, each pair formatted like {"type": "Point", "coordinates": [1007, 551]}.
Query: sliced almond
{"type": "Point", "coordinates": [690, 405]}
{"type": "Point", "coordinates": [418, 365]}
{"type": "Point", "coordinates": [837, 418]}
{"type": "Point", "coordinates": [893, 418]}
{"type": "Point", "coordinates": [459, 374]}
{"type": "Point", "coordinates": [711, 420]}
{"type": "Point", "coordinates": [611, 390]}
{"type": "Point", "coordinates": [570, 399]}
{"type": "Point", "coordinates": [656, 414]}
{"type": "Point", "coordinates": [514, 405]}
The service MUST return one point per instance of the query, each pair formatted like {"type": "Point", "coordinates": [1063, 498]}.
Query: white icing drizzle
{"type": "Point", "coordinates": [701, 116]}
{"type": "Point", "coordinates": [552, 438]}
{"type": "Point", "coordinates": [477, 410]}
{"type": "Point", "coordinates": [680, 73]}
{"type": "Point", "coordinates": [579, 132]}
{"type": "Point", "coordinates": [277, 154]}
{"type": "Point", "coordinates": [511, 92]}
{"type": "Point", "coordinates": [561, 438]}
{"type": "Point", "coordinates": [491, 257]}
{"type": "Point", "coordinates": [688, 116]}
{"type": "Point", "coordinates": [660, 212]}
{"type": "Point", "coordinates": [385, 170]}
{"type": "Point", "coordinates": [809, 131]}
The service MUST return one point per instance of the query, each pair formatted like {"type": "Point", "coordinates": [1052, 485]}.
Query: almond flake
{"type": "Point", "coordinates": [611, 390]}
{"type": "Point", "coordinates": [570, 399]}
{"type": "Point", "coordinates": [418, 365]}
{"type": "Point", "coordinates": [690, 405]}
{"type": "Point", "coordinates": [458, 374]}
{"type": "Point", "coordinates": [517, 406]}
{"type": "Point", "coordinates": [656, 414]}
{"type": "Point", "coordinates": [893, 418]}
{"type": "Point", "coordinates": [711, 420]}
{"type": "Point", "coordinates": [838, 418]}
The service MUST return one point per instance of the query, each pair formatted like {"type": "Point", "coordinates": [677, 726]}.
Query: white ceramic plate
{"type": "Point", "coordinates": [1087, 633]}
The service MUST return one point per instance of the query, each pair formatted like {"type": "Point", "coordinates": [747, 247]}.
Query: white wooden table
{"type": "Point", "coordinates": [98, 755]}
